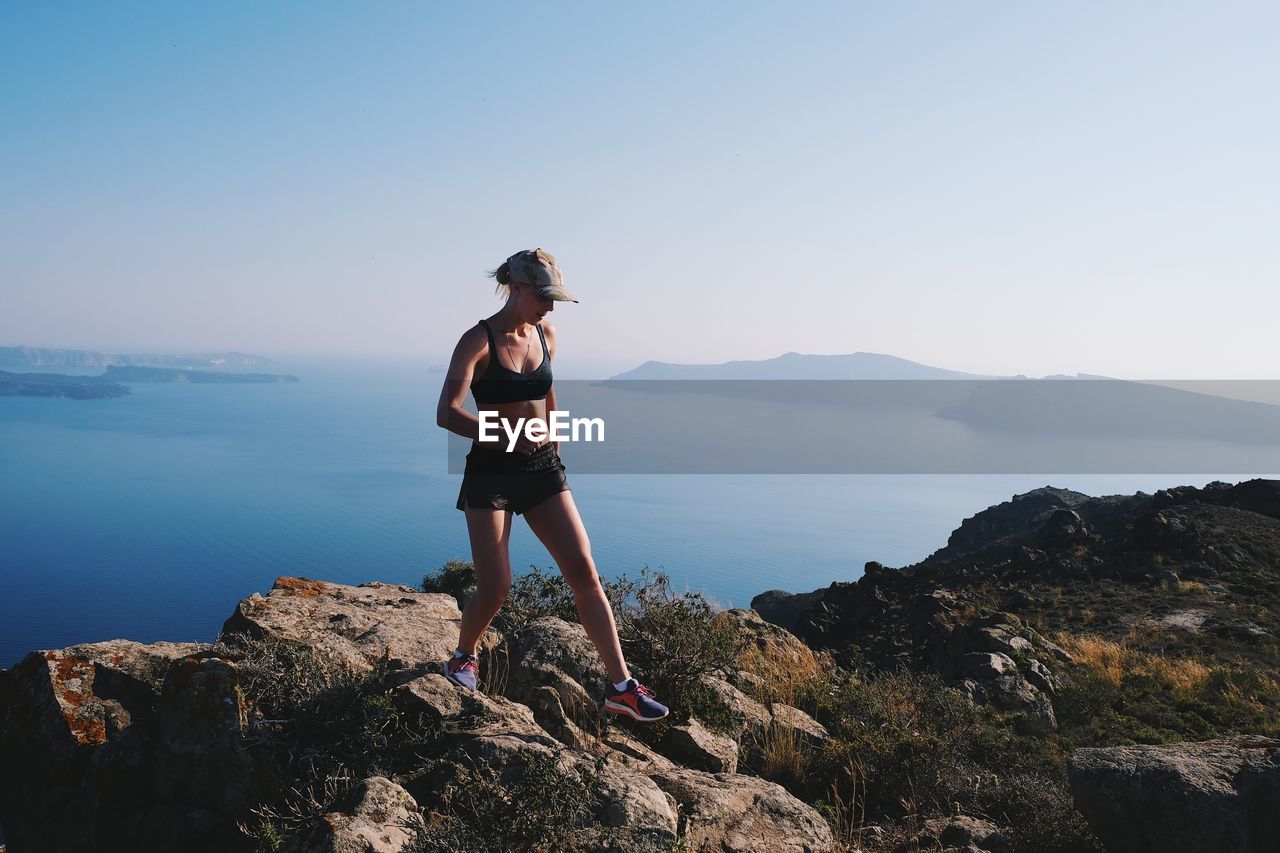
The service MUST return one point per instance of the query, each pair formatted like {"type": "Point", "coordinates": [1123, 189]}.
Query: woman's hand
{"type": "Point", "coordinates": [524, 445]}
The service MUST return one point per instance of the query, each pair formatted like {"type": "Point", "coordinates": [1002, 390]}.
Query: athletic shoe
{"type": "Point", "coordinates": [636, 702]}
{"type": "Point", "coordinates": [462, 671]}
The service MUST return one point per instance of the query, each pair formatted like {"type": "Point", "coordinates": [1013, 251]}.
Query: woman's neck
{"type": "Point", "coordinates": [509, 322]}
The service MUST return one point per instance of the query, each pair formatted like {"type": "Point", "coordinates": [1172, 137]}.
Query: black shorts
{"type": "Point", "coordinates": [496, 479]}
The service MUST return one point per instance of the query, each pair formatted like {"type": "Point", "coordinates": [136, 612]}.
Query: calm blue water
{"type": "Point", "coordinates": [148, 517]}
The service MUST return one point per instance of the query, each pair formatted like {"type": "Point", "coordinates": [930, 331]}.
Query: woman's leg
{"type": "Point", "coordinates": [490, 531]}
{"type": "Point", "coordinates": [555, 521]}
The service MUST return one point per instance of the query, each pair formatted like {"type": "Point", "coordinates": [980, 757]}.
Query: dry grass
{"type": "Point", "coordinates": [1190, 586]}
{"type": "Point", "coordinates": [1117, 661]}
{"type": "Point", "coordinates": [788, 673]}
{"type": "Point", "coordinates": [785, 756]}
{"type": "Point", "coordinates": [495, 665]}
{"type": "Point", "coordinates": [849, 815]}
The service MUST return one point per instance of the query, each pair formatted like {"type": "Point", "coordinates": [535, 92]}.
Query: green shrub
{"type": "Point", "coordinates": [674, 641]}
{"type": "Point", "coordinates": [911, 737]}
{"type": "Point", "coordinates": [534, 595]}
{"type": "Point", "coordinates": [456, 578]}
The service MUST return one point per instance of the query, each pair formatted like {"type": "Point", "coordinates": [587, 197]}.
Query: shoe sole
{"type": "Point", "coordinates": [625, 709]}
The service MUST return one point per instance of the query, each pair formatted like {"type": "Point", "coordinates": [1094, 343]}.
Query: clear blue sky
{"type": "Point", "coordinates": [992, 187]}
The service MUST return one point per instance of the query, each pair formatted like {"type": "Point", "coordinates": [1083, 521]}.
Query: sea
{"type": "Point", "coordinates": [149, 516]}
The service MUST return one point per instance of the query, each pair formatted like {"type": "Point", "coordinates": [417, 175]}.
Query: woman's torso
{"type": "Point", "coordinates": [513, 394]}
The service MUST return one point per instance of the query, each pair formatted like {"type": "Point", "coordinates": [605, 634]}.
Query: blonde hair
{"type": "Point", "coordinates": [503, 275]}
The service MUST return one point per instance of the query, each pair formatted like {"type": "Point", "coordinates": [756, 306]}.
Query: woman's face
{"type": "Point", "coordinates": [532, 305]}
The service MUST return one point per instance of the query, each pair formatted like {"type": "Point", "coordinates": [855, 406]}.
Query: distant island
{"type": "Point", "coordinates": [796, 365]}
{"type": "Point", "coordinates": [109, 383]}
{"type": "Point", "coordinates": [76, 360]}
{"type": "Point", "coordinates": [59, 385]}
{"type": "Point", "coordinates": [174, 374]}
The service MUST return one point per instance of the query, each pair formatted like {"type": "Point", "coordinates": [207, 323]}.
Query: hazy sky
{"type": "Point", "coordinates": [993, 187]}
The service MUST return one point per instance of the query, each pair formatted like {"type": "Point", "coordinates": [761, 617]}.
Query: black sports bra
{"type": "Point", "coordinates": [500, 385]}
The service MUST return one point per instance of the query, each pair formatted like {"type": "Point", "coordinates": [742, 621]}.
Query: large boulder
{"type": "Point", "coordinates": [1218, 795]}
{"type": "Point", "coordinates": [66, 717]}
{"type": "Point", "coordinates": [353, 625]}
{"type": "Point", "coordinates": [692, 745]}
{"type": "Point", "coordinates": [552, 653]}
{"type": "Point", "coordinates": [466, 713]}
{"type": "Point", "coordinates": [784, 608]}
{"type": "Point", "coordinates": [728, 813]}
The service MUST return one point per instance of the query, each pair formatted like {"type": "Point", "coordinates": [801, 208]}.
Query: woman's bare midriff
{"type": "Point", "coordinates": [510, 414]}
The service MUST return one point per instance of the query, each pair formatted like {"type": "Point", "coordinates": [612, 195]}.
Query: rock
{"type": "Point", "coordinates": [755, 717]}
{"type": "Point", "coordinates": [960, 833]}
{"type": "Point", "coordinates": [66, 717]}
{"type": "Point", "coordinates": [776, 643]}
{"type": "Point", "coordinates": [1167, 531]}
{"type": "Point", "coordinates": [798, 722]}
{"type": "Point", "coordinates": [625, 799]}
{"type": "Point", "coordinates": [784, 608]}
{"type": "Point", "coordinates": [1013, 692]}
{"type": "Point", "coordinates": [737, 814]}
{"type": "Point", "coordinates": [1001, 638]}
{"type": "Point", "coordinates": [985, 666]}
{"type": "Point", "coordinates": [377, 816]}
{"type": "Point", "coordinates": [466, 713]}
{"type": "Point", "coordinates": [1059, 527]}
{"type": "Point", "coordinates": [1241, 630]}
{"type": "Point", "coordinates": [550, 652]}
{"type": "Point", "coordinates": [353, 625]}
{"type": "Point", "coordinates": [1216, 795]}
{"type": "Point", "coordinates": [692, 745]}
{"type": "Point", "coordinates": [199, 748]}
{"type": "Point", "coordinates": [1040, 677]}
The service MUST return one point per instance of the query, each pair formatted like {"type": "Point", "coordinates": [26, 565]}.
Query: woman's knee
{"type": "Point", "coordinates": [580, 573]}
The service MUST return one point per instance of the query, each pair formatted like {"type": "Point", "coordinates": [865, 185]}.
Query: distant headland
{"type": "Point", "coordinates": [119, 369]}
{"type": "Point", "coordinates": [84, 361]}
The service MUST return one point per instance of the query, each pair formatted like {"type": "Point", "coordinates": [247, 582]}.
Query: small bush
{"type": "Point", "coordinates": [535, 595]}
{"type": "Point", "coordinates": [544, 809]}
{"type": "Point", "coordinates": [456, 578]}
{"type": "Point", "coordinates": [911, 736]}
{"type": "Point", "coordinates": [1038, 812]}
{"type": "Point", "coordinates": [673, 640]}
{"type": "Point", "coordinates": [316, 730]}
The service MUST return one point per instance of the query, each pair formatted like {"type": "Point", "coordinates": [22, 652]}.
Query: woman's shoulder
{"type": "Point", "coordinates": [474, 340]}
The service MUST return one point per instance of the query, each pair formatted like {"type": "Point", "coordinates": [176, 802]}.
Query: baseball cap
{"type": "Point", "coordinates": [539, 270]}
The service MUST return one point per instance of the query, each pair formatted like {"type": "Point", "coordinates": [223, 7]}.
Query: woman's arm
{"type": "Point", "coordinates": [550, 331]}
{"type": "Point", "coordinates": [449, 412]}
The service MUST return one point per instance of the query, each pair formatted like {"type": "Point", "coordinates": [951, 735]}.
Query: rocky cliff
{"type": "Point", "coordinates": [168, 746]}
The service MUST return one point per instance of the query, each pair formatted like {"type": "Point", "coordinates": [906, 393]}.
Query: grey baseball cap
{"type": "Point", "coordinates": [539, 270]}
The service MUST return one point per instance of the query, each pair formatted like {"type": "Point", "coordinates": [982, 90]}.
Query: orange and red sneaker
{"type": "Point", "coordinates": [636, 702]}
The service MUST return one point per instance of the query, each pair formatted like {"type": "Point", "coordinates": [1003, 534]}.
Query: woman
{"type": "Point", "coordinates": [507, 374]}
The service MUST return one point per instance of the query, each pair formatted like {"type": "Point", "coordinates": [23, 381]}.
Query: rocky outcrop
{"type": "Point", "coordinates": [724, 812]}
{"type": "Point", "coordinates": [784, 608]}
{"type": "Point", "coordinates": [122, 745]}
{"type": "Point", "coordinates": [353, 625]}
{"type": "Point", "coordinates": [1218, 795]}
